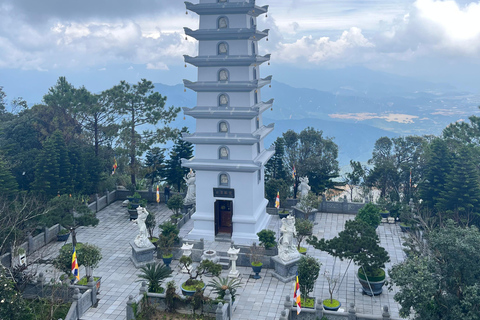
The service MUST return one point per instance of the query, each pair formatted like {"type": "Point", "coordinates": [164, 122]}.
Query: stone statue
{"type": "Point", "coordinates": [287, 250]}
{"type": "Point", "coordinates": [222, 23]}
{"type": "Point", "coordinates": [304, 188]}
{"type": "Point", "coordinates": [223, 75]}
{"type": "Point", "coordinates": [142, 238]}
{"type": "Point", "coordinates": [191, 192]}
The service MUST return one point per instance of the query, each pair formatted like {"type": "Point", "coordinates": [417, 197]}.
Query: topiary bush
{"type": "Point", "coordinates": [370, 214]}
{"type": "Point", "coordinates": [308, 270]}
{"type": "Point", "coordinates": [267, 238]}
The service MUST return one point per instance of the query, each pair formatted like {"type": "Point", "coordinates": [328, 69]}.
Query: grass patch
{"type": "Point", "coordinates": [302, 250]}
{"type": "Point", "coordinates": [257, 264]}
{"type": "Point", "coordinates": [83, 281]}
{"type": "Point", "coordinates": [331, 303]}
{"type": "Point", "coordinates": [193, 285]}
{"type": "Point", "coordinates": [378, 275]}
{"type": "Point", "coordinates": [306, 302]}
{"type": "Point", "coordinates": [167, 256]}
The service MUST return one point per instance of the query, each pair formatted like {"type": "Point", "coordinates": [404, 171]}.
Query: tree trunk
{"type": "Point", "coordinates": [96, 134]}
{"type": "Point", "coordinates": [132, 150]}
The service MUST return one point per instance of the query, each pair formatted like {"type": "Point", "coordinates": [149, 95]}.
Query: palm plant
{"type": "Point", "coordinates": [220, 286]}
{"type": "Point", "coordinates": [154, 274]}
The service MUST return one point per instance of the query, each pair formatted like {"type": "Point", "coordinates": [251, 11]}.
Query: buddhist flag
{"type": "Point", "coordinates": [277, 200]}
{"type": "Point", "coordinates": [296, 296]}
{"type": "Point", "coordinates": [75, 265]}
{"type": "Point", "coordinates": [115, 165]}
{"type": "Point", "coordinates": [294, 172]}
{"type": "Point", "coordinates": [158, 195]}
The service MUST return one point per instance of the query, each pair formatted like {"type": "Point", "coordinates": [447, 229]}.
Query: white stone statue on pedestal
{"type": "Point", "coordinates": [304, 188]}
{"type": "Point", "coordinates": [287, 250]}
{"type": "Point", "coordinates": [142, 238]}
{"type": "Point", "coordinates": [191, 192]}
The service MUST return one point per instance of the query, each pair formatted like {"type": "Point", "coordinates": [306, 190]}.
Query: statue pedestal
{"type": "Point", "coordinates": [285, 271]}
{"type": "Point", "coordinates": [142, 256]}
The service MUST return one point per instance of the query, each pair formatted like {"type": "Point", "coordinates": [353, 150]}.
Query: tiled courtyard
{"type": "Point", "coordinates": [257, 299]}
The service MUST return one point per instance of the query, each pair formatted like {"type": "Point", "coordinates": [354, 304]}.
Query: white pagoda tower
{"type": "Point", "coordinates": [229, 155]}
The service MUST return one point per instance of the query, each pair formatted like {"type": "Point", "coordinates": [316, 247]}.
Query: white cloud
{"type": "Point", "coordinates": [323, 49]}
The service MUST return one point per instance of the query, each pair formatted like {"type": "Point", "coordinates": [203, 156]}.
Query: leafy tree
{"type": "Point", "coordinates": [52, 172]}
{"type": "Point", "coordinates": [175, 203]}
{"type": "Point", "coordinates": [3, 103]}
{"type": "Point", "coordinates": [140, 106]}
{"type": "Point", "coordinates": [69, 212]}
{"type": "Point", "coordinates": [275, 167]}
{"type": "Point", "coordinates": [155, 164]}
{"type": "Point", "coordinates": [309, 204]}
{"type": "Point", "coordinates": [304, 229]}
{"type": "Point", "coordinates": [461, 196]}
{"type": "Point", "coordinates": [175, 172]}
{"type": "Point", "coordinates": [8, 184]}
{"type": "Point", "coordinates": [370, 214]}
{"type": "Point", "coordinates": [12, 304]}
{"type": "Point", "coordinates": [313, 156]}
{"type": "Point", "coordinates": [353, 178]}
{"type": "Point", "coordinates": [442, 281]}
{"type": "Point", "coordinates": [308, 270]}
{"type": "Point", "coordinates": [272, 186]}
{"type": "Point", "coordinates": [97, 116]}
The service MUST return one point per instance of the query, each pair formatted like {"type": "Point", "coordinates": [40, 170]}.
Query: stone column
{"type": "Point", "coordinates": [130, 314]}
{"type": "Point", "coordinates": [93, 286]}
{"type": "Point", "coordinates": [76, 299]}
{"type": "Point", "coordinates": [218, 312]}
{"type": "Point", "coordinates": [351, 312]}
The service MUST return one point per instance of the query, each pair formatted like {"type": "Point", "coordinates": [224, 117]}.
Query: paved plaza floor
{"type": "Point", "coordinates": [257, 299]}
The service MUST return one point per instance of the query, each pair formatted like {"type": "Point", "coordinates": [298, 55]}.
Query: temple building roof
{"type": "Point", "coordinates": [229, 138]}
{"type": "Point", "coordinates": [227, 86]}
{"type": "Point", "coordinates": [200, 112]}
{"type": "Point", "coordinates": [227, 34]}
{"type": "Point", "coordinates": [248, 8]}
{"type": "Point", "coordinates": [227, 60]}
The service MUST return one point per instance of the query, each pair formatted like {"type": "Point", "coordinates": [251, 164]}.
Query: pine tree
{"type": "Point", "coordinates": [8, 184]}
{"type": "Point", "coordinates": [461, 197]}
{"type": "Point", "coordinates": [175, 172]}
{"type": "Point", "coordinates": [155, 163]}
{"type": "Point", "coordinates": [52, 171]}
{"type": "Point", "coordinates": [438, 165]}
{"type": "Point", "coordinates": [276, 167]}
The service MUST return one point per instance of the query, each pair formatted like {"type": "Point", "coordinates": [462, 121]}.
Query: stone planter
{"type": "Point", "coordinates": [210, 255]}
{"type": "Point", "coordinates": [189, 293]}
{"type": "Point", "coordinates": [373, 287]}
{"type": "Point", "coordinates": [168, 260]}
{"type": "Point", "coordinates": [332, 308]}
{"type": "Point", "coordinates": [84, 288]}
{"type": "Point", "coordinates": [283, 215]}
{"type": "Point", "coordinates": [133, 214]}
{"type": "Point", "coordinates": [63, 237]}
{"type": "Point", "coordinates": [404, 227]}
{"type": "Point", "coordinates": [257, 270]}
{"type": "Point", "coordinates": [385, 214]}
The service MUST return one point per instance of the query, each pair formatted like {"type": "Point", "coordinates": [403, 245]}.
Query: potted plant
{"type": "Point", "coordinates": [308, 269]}
{"type": "Point", "coordinates": [370, 213]}
{"type": "Point", "coordinates": [267, 240]}
{"type": "Point", "coordinates": [331, 304]}
{"type": "Point", "coordinates": [195, 281]}
{"type": "Point", "coordinates": [360, 243]}
{"type": "Point", "coordinates": [132, 211]}
{"type": "Point", "coordinates": [220, 285]}
{"type": "Point", "coordinates": [256, 260]}
{"type": "Point", "coordinates": [167, 239]}
{"type": "Point", "coordinates": [63, 234]}
{"type": "Point", "coordinates": [154, 274]}
{"type": "Point", "coordinates": [304, 229]}
{"type": "Point", "coordinates": [143, 203]}
{"type": "Point", "coordinates": [307, 205]}
{"type": "Point", "coordinates": [175, 203]}
{"type": "Point", "coordinates": [283, 213]}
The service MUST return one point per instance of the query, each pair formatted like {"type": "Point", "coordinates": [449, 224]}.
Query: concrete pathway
{"type": "Point", "coordinates": [257, 299]}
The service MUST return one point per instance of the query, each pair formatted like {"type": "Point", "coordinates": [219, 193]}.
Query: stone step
{"type": "Point", "coordinates": [225, 265]}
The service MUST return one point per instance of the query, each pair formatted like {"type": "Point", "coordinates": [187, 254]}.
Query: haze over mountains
{"type": "Point", "coordinates": [356, 107]}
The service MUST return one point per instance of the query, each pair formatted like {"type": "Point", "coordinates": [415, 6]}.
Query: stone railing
{"type": "Point", "coordinates": [219, 311]}
{"type": "Point", "coordinates": [81, 303]}
{"type": "Point", "coordinates": [290, 313]}
{"type": "Point", "coordinates": [326, 206]}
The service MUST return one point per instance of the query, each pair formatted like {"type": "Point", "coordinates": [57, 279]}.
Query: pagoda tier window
{"type": "Point", "coordinates": [252, 23]}
{"type": "Point", "coordinates": [258, 147]}
{"type": "Point", "coordinates": [254, 73]}
{"type": "Point", "coordinates": [222, 1]}
{"type": "Point", "coordinates": [223, 179]}
{"type": "Point", "coordinates": [223, 126]}
{"type": "Point", "coordinates": [255, 98]}
{"type": "Point", "coordinates": [223, 153]}
{"type": "Point", "coordinates": [253, 48]}
{"type": "Point", "coordinates": [222, 48]}
{"type": "Point", "coordinates": [222, 23]}
{"type": "Point", "coordinates": [223, 100]}
{"type": "Point", "coordinates": [223, 75]}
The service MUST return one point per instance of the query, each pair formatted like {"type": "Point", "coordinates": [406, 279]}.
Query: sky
{"type": "Point", "coordinates": [97, 43]}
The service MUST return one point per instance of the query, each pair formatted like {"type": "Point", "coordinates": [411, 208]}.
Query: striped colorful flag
{"type": "Point", "coordinates": [115, 166]}
{"type": "Point", "coordinates": [296, 296]}
{"type": "Point", "coordinates": [277, 200]}
{"type": "Point", "coordinates": [294, 172]}
{"type": "Point", "coordinates": [158, 195]}
{"type": "Point", "coordinates": [75, 264]}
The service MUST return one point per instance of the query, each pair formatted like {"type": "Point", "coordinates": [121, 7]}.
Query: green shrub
{"type": "Point", "coordinates": [267, 238]}
{"type": "Point", "coordinates": [370, 214]}
{"type": "Point", "coordinates": [308, 269]}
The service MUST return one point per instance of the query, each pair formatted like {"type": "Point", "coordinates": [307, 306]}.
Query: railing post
{"type": "Point", "coordinates": [319, 311]}
{"type": "Point", "coordinates": [351, 312]}
{"type": "Point", "coordinates": [143, 288]}
{"type": "Point", "coordinates": [228, 299]}
{"type": "Point", "coordinates": [130, 314]}
{"type": "Point", "coordinates": [92, 285]}
{"type": "Point", "coordinates": [76, 298]}
{"type": "Point", "coordinates": [31, 249]}
{"type": "Point", "coordinates": [45, 235]}
{"type": "Point", "coordinates": [107, 197]}
{"type": "Point", "coordinates": [218, 312]}
{"type": "Point", "coordinates": [385, 313]}
{"type": "Point", "coordinates": [96, 203]}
